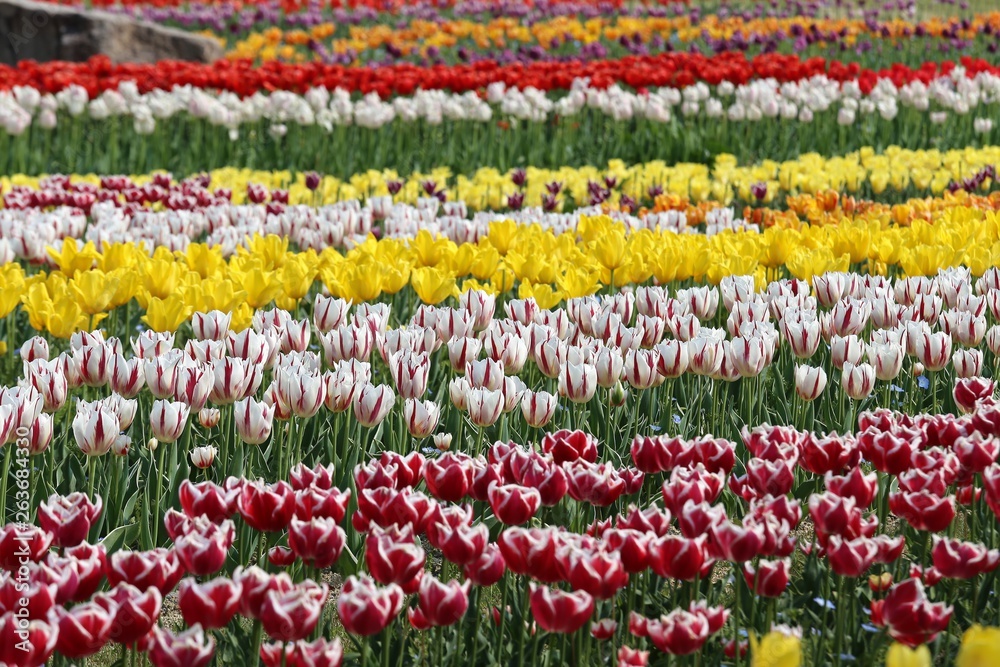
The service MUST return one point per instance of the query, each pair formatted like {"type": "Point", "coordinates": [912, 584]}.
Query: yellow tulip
{"type": "Point", "coordinates": [297, 276]}
{"type": "Point", "coordinates": [167, 314]}
{"type": "Point", "coordinates": [71, 258]}
{"type": "Point", "coordinates": [900, 655]}
{"type": "Point", "coordinates": [776, 649]}
{"type": "Point", "coordinates": [433, 285]}
{"type": "Point", "coordinates": [94, 290]}
{"type": "Point", "coordinates": [980, 647]}
{"type": "Point", "coordinates": [261, 286]}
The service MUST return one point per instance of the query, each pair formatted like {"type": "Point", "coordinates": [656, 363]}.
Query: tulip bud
{"type": "Point", "coordinates": [617, 395]}
{"type": "Point", "coordinates": [209, 417]}
{"type": "Point", "coordinates": [442, 441]}
{"type": "Point", "coordinates": [203, 457]}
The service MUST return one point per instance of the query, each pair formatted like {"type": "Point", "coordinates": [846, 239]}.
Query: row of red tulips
{"type": "Point", "coordinates": [646, 575]}
{"type": "Point", "coordinates": [668, 69]}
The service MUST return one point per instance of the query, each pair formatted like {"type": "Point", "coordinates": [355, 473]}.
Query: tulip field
{"type": "Point", "coordinates": [506, 332]}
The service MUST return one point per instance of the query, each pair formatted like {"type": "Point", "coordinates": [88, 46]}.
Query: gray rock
{"type": "Point", "coordinates": [43, 32]}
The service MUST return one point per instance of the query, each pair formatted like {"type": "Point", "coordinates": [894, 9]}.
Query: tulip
{"type": "Point", "coordinates": [910, 617]}
{"type": "Point", "coordinates": [923, 510]}
{"type": "Point", "coordinates": [364, 608]}
{"type": "Point", "coordinates": [512, 504]}
{"type": "Point", "coordinates": [780, 646]}
{"type": "Point", "coordinates": [769, 578]}
{"type": "Point", "coordinates": [887, 359]}
{"type": "Point", "coordinates": [253, 420]}
{"type": "Point", "coordinates": [394, 557]}
{"type": "Point", "coordinates": [266, 507]}
{"type": "Point", "coordinates": [969, 391]}
{"type": "Point", "coordinates": [803, 337]}
{"type": "Point", "coordinates": [318, 542]}
{"type": "Point", "coordinates": [158, 568]}
{"type": "Point", "coordinates": [678, 633]}
{"type": "Point", "coordinates": [83, 630]}
{"type": "Point", "coordinates": [372, 403]}
{"type": "Point", "coordinates": [233, 379]}
{"type": "Point", "coordinates": [487, 569]}
{"type": "Point", "coordinates": [676, 557]}
{"type": "Point", "coordinates": [673, 358]}
{"type": "Point", "coordinates": [565, 446]}
{"type": "Point", "coordinates": [211, 604]}
{"type": "Point", "coordinates": [483, 405]}
{"type": "Point", "coordinates": [630, 657]}
{"type": "Point", "coordinates": [187, 649]}
{"type": "Point", "coordinates": [578, 382]}
{"type": "Point", "coordinates": [955, 559]}
{"type": "Point", "coordinates": [69, 518]}
{"type": "Point", "coordinates": [26, 642]}
{"type": "Point", "coordinates": [292, 615]}
{"type": "Point", "coordinates": [202, 547]}
{"type": "Point", "coordinates": [933, 350]}
{"type": "Point", "coordinates": [559, 611]}
{"type": "Point", "coordinates": [857, 381]}
{"type": "Point", "coordinates": [604, 629]}
{"type": "Point", "coordinates": [318, 653]}
{"type": "Point", "coordinates": [95, 430]}
{"type": "Point", "coordinates": [600, 573]}
{"type": "Point", "coordinates": [135, 611]}
{"type": "Point", "coordinates": [705, 355]}
{"type": "Point", "coordinates": [167, 420]}
{"type": "Point", "coordinates": [440, 604]}
{"type": "Point", "coordinates": [967, 363]}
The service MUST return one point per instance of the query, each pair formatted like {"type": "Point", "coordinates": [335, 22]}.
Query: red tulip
{"type": "Point", "coordinates": [317, 542]}
{"type": "Point", "coordinates": [837, 515]}
{"type": "Point", "coordinates": [366, 609]}
{"type": "Point", "coordinates": [910, 617]}
{"type": "Point", "coordinates": [208, 499]}
{"type": "Point", "coordinates": [202, 549]}
{"type": "Point", "coordinates": [632, 546]}
{"type": "Point", "coordinates": [315, 502]}
{"type": "Point", "coordinates": [88, 562]}
{"type": "Point", "coordinates": [769, 579]}
{"type": "Point", "coordinates": [441, 604]}
{"type": "Point", "coordinates": [83, 630]}
{"type": "Point", "coordinates": [595, 484]}
{"type": "Point", "coordinates": [851, 558]}
{"type": "Point", "coordinates": [135, 611]}
{"type": "Point", "coordinates": [830, 454]}
{"type": "Point", "coordinates": [604, 629]}
{"type": "Point", "coordinates": [559, 611]}
{"type": "Point", "coordinates": [693, 484]}
{"type": "Point", "coordinates": [20, 542]}
{"type": "Point", "coordinates": [678, 633]}
{"type": "Point", "coordinates": [266, 507]}
{"type": "Point", "coordinates": [696, 519]}
{"type": "Point", "coordinates": [728, 541]}
{"type": "Point", "coordinates": [187, 649]}
{"type": "Point", "coordinates": [889, 548]}
{"type": "Point", "coordinates": [459, 542]}
{"type": "Point", "coordinates": [975, 452]}
{"type": "Point", "coordinates": [598, 572]}
{"type": "Point", "coordinates": [676, 557]}
{"type": "Point", "coordinates": [318, 653]}
{"type": "Point", "coordinates": [449, 477]}
{"type": "Point", "coordinates": [890, 452]}
{"type": "Point", "coordinates": [631, 657]}
{"type": "Point", "coordinates": [566, 445]}
{"type": "Point", "coordinates": [280, 556]}
{"type": "Point", "coordinates": [969, 391]}
{"type": "Point", "coordinates": [68, 518]}
{"type": "Point", "coordinates": [512, 504]}
{"type": "Point", "coordinates": [26, 644]}
{"type": "Point", "coordinates": [32, 598]}
{"type": "Point", "coordinates": [159, 568]}
{"type": "Point", "coordinates": [394, 557]}
{"type": "Point", "coordinates": [923, 510]}
{"type": "Point", "coordinates": [256, 584]}
{"type": "Point", "coordinates": [319, 476]}
{"type": "Point", "coordinates": [488, 569]}
{"type": "Point", "coordinates": [532, 551]}
{"type": "Point", "coordinates": [388, 507]}
{"type": "Point", "coordinates": [651, 520]}
{"type": "Point", "coordinates": [292, 615]}
{"type": "Point", "coordinates": [211, 604]}
{"type": "Point", "coordinates": [549, 479]}
{"type": "Point", "coordinates": [955, 559]}
{"type": "Point", "coordinates": [855, 484]}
